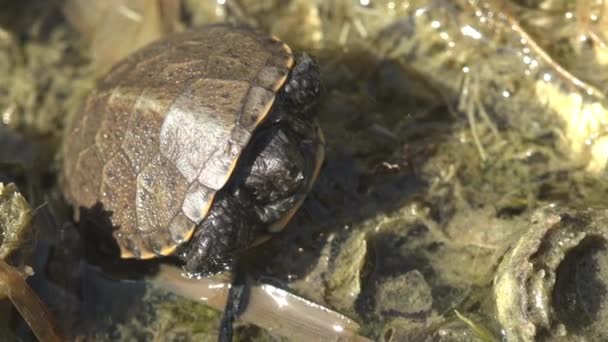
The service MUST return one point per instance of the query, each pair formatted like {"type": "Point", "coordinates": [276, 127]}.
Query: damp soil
{"type": "Point", "coordinates": [441, 141]}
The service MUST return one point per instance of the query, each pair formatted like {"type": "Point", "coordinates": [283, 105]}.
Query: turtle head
{"type": "Point", "coordinates": [303, 87]}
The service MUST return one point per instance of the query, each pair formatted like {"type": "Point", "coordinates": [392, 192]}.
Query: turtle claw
{"type": "Point", "coordinates": [238, 297]}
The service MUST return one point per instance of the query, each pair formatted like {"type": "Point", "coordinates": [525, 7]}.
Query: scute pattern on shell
{"type": "Point", "coordinates": [163, 131]}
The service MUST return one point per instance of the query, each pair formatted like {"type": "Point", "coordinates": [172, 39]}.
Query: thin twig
{"type": "Point", "coordinates": [29, 305]}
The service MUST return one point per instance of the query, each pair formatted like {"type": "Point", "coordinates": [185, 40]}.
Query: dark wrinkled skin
{"type": "Point", "coordinates": [273, 175]}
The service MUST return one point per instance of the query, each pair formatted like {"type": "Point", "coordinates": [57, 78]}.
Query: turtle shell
{"type": "Point", "coordinates": [163, 130]}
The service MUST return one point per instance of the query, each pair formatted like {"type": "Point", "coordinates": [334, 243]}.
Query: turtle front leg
{"type": "Point", "coordinates": [230, 227]}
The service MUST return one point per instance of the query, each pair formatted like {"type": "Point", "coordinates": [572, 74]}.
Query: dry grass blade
{"type": "Point", "coordinates": [117, 28]}
{"type": "Point", "coordinates": [269, 307]}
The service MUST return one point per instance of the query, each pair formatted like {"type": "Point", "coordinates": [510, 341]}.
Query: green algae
{"type": "Point", "coordinates": [428, 170]}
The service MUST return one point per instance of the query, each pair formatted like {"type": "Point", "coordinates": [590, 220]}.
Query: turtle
{"type": "Point", "coordinates": [200, 145]}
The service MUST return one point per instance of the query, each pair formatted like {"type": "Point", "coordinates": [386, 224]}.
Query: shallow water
{"type": "Point", "coordinates": [448, 123]}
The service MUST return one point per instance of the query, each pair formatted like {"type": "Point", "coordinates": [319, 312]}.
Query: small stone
{"type": "Point", "coordinates": [407, 295]}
